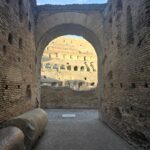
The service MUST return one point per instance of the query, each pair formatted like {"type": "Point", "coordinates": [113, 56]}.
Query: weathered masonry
{"type": "Point", "coordinates": [120, 33]}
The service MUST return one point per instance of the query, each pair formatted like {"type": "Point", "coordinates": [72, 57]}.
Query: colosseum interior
{"type": "Point", "coordinates": [30, 114]}
{"type": "Point", "coordinates": [69, 69]}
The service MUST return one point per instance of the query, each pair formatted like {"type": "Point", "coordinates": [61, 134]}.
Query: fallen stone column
{"type": "Point", "coordinates": [11, 138]}
{"type": "Point", "coordinates": [32, 124]}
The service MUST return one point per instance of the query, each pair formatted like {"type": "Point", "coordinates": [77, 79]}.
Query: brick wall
{"type": "Point", "coordinates": [17, 56]}
{"type": "Point", "coordinates": [64, 97]}
{"type": "Point", "coordinates": [126, 95]}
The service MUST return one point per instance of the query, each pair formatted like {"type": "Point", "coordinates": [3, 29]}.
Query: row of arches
{"type": "Point", "coordinates": [69, 67]}
{"type": "Point", "coordinates": [72, 57]}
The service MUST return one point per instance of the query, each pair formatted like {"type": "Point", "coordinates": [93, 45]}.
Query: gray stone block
{"type": "Point", "coordinates": [32, 124]}
{"type": "Point", "coordinates": [11, 138]}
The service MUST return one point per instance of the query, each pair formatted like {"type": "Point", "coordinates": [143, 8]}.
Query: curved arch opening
{"type": "Point", "coordinates": [69, 29]}
{"type": "Point", "coordinates": [88, 35]}
{"type": "Point", "coordinates": [76, 76]}
{"type": "Point", "coordinates": [76, 68]}
{"type": "Point", "coordinates": [79, 74]}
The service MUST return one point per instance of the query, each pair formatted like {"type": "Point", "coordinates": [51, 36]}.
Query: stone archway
{"type": "Point", "coordinates": [76, 30]}
{"type": "Point", "coordinates": [88, 25]}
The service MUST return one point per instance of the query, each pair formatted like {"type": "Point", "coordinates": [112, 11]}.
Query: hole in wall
{"type": "Point", "coordinates": [10, 38]}
{"type": "Point", "coordinates": [29, 26]}
{"type": "Point", "coordinates": [56, 67]}
{"type": "Point", "coordinates": [30, 66]}
{"type": "Point", "coordinates": [85, 78]}
{"type": "Point", "coordinates": [92, 84]}
{"type": "Point", "coordinates": [75, 68]}
{"type": "Point", "coordinates": [4, 50]}
{"type": "Point", "coordinates": [131, 108]}
{"type": "Point", "coordinates": [121, 85]}
{"type": "Point", "coordinates": [82, 68]}
{"type": "Point", "coordinates": [88, 69]}
{"type": "Point", "coordinates": [146, 85]}
{"type": "Point", "coordinates": [37, 103]}
{"type": "Point", "coordinates": [112, 85]}
{"type": "Point", "coordinates": [19, 59]}
{"type": "Point", "coordinates": [140, 42]}
{"type": "Point", "coordinates": [20, 43]}
{"type": "Point", "coordinates": [142, 117]}
{"type": "Point", "coordinates": [117, 113]}
{"type": "Point", "coordinates": [6, 87]}
{"type": "Point", "coordinates": [18, 86]}
{"type": "Point", "coordinates": [28, 91]}
{"type": "Point", "coordinates": [133, 85]}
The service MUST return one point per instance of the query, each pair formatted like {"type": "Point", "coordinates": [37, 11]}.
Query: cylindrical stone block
{"type": "Point", "coordinates": [11, 138]}
{"type": "Point", "coordinates": [32, 124]}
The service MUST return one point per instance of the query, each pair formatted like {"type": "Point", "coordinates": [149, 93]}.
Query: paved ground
{"type": "Point", "coordinates": [83, 132]}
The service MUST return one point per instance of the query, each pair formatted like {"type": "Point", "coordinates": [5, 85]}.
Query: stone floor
{"type": "Point", "coordinates": [83, 132]}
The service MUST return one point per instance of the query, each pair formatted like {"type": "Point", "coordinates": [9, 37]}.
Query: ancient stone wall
{"type": "Point", "coordinates": [126, 94]}
{"type": "Point", "coordinates": [17, 58]}
{"type": "Point", "coordinates": [63, 97]}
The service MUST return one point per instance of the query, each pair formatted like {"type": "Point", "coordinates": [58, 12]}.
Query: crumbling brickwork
{"type": "Point", "coordinates": [126, 93]}
{"type": "Point", "coordinates": [17, 56]}
{"type": "Point", "coordinates": [64, 97]}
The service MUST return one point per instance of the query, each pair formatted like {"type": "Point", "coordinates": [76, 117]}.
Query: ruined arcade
{"type": "Point", "coordinates": [119, 31]}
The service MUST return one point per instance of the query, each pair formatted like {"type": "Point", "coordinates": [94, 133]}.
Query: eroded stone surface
{"type": "Point", "coordinates": [32, 124]}
{"type": "Point", "coordinates": [11, 138]}
{"type": "Point", "coordinates": [64, 97]}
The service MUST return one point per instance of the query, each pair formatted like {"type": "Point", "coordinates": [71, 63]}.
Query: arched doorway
{"type": "Point", "coordinates": [66, 85]}
{"type": "Point", "coordinates": [73, 29]}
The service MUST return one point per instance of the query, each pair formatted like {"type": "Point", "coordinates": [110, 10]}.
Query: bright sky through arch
{"type": "Point", "coordinates": [63, 2]}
